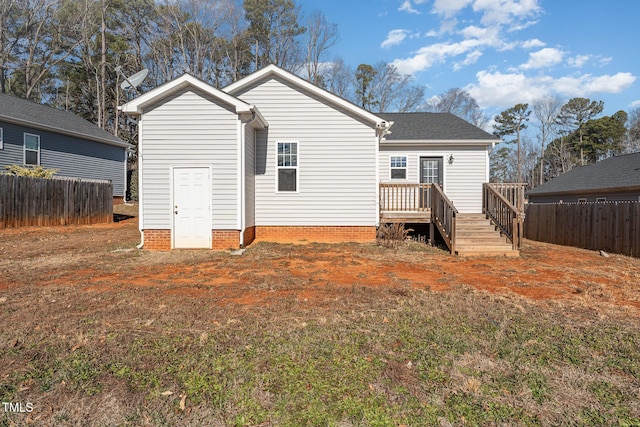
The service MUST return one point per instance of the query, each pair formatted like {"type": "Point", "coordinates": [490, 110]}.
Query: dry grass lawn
{"type": "Point", "coordinates": [97, 333]}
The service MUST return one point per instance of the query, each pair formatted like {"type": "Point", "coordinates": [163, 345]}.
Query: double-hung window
{"type": "Point", "coordinates": [31, 149]}
{"type": "Point", "coordinates": [287, 166]}
{"type": "Point", "coordinates": [398, 167]}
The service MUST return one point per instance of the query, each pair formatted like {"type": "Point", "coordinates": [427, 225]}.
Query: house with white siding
{"type": "Point", "coordinates": [274, 157]}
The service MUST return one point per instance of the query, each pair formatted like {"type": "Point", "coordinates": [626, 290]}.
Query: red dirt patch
{"type": "Point", "coordinates": [311, 274]}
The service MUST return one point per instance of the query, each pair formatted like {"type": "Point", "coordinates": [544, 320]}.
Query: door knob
{"type": "Point", "coordinates": [175, 212]}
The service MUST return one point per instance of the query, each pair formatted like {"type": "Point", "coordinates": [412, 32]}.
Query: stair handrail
{"type": "Point", "coordinates": [507, 217]}
{"type": "Point", "coordinates": [443, 215]}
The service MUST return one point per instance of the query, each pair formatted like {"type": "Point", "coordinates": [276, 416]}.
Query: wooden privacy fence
{"type": "Point", "coordinates": [610, 226]}
{"type": "Point", "coordinates": [26, 201]}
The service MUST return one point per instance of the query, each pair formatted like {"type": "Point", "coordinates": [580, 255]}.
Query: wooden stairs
{"type": "Point", "coordinates": [477, 236]}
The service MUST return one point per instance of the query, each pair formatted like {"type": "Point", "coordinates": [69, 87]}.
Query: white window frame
{"type": "Point", "coordinates": [296, 167]}
{"type": "Point", "coordinates": [601, 199]}
{"type": "Point", "coordinates": [405, 167]}
{"type": "Point", "coordinates": [1, 139]}
{"type": "Point", "coordinates": [24, 151]}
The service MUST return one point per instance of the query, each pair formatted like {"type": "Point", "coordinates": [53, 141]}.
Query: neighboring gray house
{"type": "Point", "coordinates": [35, 134]}
{"type": "Point", "coordinates": [274, 157]}
{"type": "Point", "coordinates": [612, 179]}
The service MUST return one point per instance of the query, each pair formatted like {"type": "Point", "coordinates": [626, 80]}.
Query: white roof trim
{"type": "Point", "coordinates": [440, 141]}
{"type": "Point", "coordinates": [300, 82]}
{"type": "Point", "coordinates": [137, 105]}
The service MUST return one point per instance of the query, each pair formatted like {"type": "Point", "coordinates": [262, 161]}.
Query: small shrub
{"type": "Point", "coordinates": [391, 235]}
{"type": "Point", "coordinates": [31, 171]}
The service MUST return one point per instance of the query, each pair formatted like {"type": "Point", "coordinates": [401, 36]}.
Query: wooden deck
{"type": "Point", "coordinates": [486, 233]}
{"type": "Point", "coordinates": [408, 203]}
{"type": "Point", "coordinates": [420, 217]}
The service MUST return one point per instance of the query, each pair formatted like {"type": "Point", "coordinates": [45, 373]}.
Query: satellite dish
{"type": "Point", "coordinates": [134, 81]}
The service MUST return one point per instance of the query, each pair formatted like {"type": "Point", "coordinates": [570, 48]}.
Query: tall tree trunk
{"type": "Point", "coordinates": [102, 110]}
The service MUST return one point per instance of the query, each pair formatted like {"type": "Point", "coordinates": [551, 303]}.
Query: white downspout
{"type": "Point", "coordinates": [243, 178]}
{"type": "Point", "coordinates": [140, 192]}
{"type": "Point", "coordinates": [381, 130]}
{"type": "Point", "coordinates": [126, 161]}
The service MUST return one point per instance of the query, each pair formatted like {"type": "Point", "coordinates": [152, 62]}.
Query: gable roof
{"type": "Point", "coordinates": [441, 127]}
{"type": "Point", "coordinates": [617, 172]}
{"type": "Point", "coordinates": [274, 71]}
{"type": "Point", "coordinates": [38, 116]}
{"type": "Point", "coordinates": [136, 106]}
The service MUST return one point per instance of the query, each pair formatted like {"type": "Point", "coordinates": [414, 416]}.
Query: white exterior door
{"type": "Point", "coordinates": [191, 208]}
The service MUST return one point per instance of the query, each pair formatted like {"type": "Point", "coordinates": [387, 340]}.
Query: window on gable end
{"type": "Point", "coordinates": [287, 166]}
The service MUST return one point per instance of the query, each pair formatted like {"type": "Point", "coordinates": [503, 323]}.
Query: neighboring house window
{"type": "Point", "coordinates": [31, 149]}
{"type": "Point", "coordinates": [601, 199]}
{"type": "Point", "coordinates": [582, 200]}
{"type": "Point", "coordinates": [287, 166]}
{"type": "Point", "coordinates": [398, 167]}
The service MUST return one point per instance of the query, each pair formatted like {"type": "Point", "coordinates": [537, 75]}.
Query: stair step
{"type": "Point", "coordinates": [477, 236]}
{"type": "Point", "coordinates": [472, 221]}
{"type": "Point", "coordinates": [477, 231]}
{"type": "Point", "coordinates": [508, 253]}
{"type": "Point", "coordinates": [487, 249]}
{"type": "Point", "coordinates": [480, 231]}
{"type": "Point", "coordinates": [483, 242]}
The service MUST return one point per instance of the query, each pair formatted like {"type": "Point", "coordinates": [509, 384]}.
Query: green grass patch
{"type": "Point", "coordinates": [415, 358]}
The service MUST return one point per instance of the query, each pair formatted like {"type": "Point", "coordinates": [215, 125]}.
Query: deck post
{"type": "Point", "coordinates": [431, 232]}
{"type": "Point", "coordinates": [453, 233]}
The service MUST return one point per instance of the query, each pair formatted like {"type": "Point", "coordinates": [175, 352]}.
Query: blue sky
{"type": "Point", "coordinates": [503, 52]}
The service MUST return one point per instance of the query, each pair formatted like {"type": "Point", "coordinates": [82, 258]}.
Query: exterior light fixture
{"type": "Point", "coordinates": [450, 159]}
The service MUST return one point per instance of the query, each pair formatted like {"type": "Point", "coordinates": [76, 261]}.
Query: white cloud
{"type": "Point", "coordinates": [533, 43]}
{"type": "Point", "coordinates": [471, 58]}
{"type": "Point", "coordinates": [449, 8]}
{"type": "Point", "coordinates": [543, 58]}
{"type": "Point", "coordinates": [506, 12]}
{"type": "Point", "coordinates": [522, 26]}
{"type": "Point", "coordinates": [635, 104]}
{"type": "Point", "coordinates": [433, 54]}
{"type": "Point", "coordinates": [473, 39]}
{"type": "Point", "coordinates": [496, 89]}
{"type": "Point", "coordinates": [406, 6]}
{"type": "Point", "coordinates": [609, 84]}
{"type": "Point", "coordinates": [604, 61]}
{"type": "Point", "coordinates": [394, 37]}
{"type": "Point", "coordinates": [474, 32]}
{"type": "Point", "coordinates": [579, 60]}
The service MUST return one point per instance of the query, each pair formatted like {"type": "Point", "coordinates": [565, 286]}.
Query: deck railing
{"type": "Point", "coordinates": [443, 215]}
{"type": "Point", "coordinates": [513, 192]}
{"type": "Point", "coordinates": [504, 205]}
{"type": "Point", "coordinates": [405, 197]}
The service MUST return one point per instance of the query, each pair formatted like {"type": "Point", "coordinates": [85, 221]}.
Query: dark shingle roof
{"type": "Point", "coordinates": [432, 126]}
{"type": "Point", "coordinates": [24, 112]}
{"type": "Point", "coordinates": [607, 174]}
